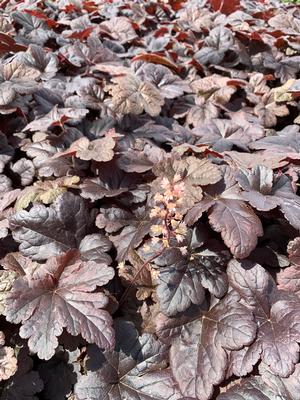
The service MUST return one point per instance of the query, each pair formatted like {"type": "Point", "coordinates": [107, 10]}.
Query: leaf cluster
{"type": "Point", "coordinates": [149, 200]}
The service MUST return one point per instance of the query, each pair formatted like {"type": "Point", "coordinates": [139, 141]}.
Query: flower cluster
{"type": "Point", "coordinates": [167, 201]}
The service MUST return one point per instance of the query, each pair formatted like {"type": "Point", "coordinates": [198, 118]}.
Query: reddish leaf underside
{"type": "Point", "coordinates": [225, 6]}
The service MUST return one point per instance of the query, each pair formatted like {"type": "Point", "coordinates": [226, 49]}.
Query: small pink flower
{"type": "Point", "coordinates": [183, 250]}
{"type": "Point", "coordinates": [165, 183]}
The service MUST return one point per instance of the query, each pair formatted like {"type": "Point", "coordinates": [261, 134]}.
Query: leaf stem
{"type": "Point", "coordinates": [124, 296]}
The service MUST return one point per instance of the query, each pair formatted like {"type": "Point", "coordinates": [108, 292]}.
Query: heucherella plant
{"type": "Point", "coordinates": [149, 200]}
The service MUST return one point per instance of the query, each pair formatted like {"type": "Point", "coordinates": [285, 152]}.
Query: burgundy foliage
{"type": "Point", "coordinates": [149, 200]}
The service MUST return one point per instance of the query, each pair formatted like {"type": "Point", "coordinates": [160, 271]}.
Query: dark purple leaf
{"type": "Point", "coordinates": [182, 279]}
{"type": "Point", "coordinates": [169, 85]}
{"type": "Point", "coordinates": [46, 231]}
{"type": "Point", "coordinates": [265, 387]}
{"type": "Point", "coordinates": [198, 357]}
{"type": "Point", "coordinates": [58, 376]}
{"type": "Point", "coordinates": [23, 387]}
{"type": "Point", "coordinates": [276, 316]}
{"type": "Point", "coordinates": [135, 369]}
{"type": "Point", "coordinates": [57, 295]}
{"type": "Point", "coordinates": [220, 40]}
{"type": "Point", "coordinates": [238, 224]}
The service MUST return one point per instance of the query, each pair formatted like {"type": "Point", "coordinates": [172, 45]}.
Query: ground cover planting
{"type": "Point", "coordinates": [149, 200]}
